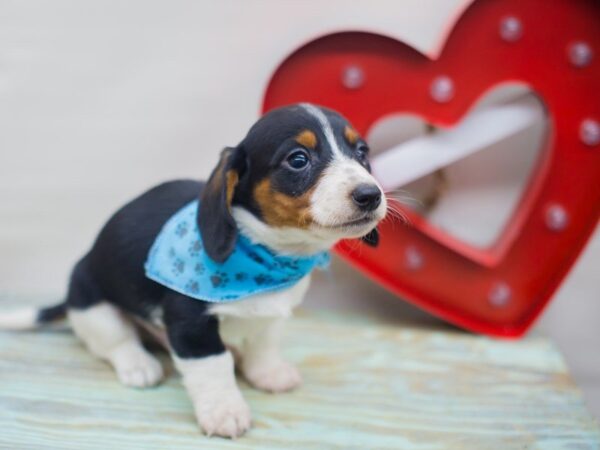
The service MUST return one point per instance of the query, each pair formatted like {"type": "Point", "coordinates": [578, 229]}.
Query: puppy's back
{"type": "Point", "coordinates": [115, 264]}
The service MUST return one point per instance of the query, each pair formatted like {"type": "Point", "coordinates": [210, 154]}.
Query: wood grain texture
{"type": "Point", "coordinates": [368, 385]}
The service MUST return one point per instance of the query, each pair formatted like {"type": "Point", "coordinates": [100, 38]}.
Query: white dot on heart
{"type": "Point", "coordinates": [580, 54]}
{"type": "Point", "coordinates": [353, 77]}
{"type": "Point", "coordinates": [589, 132]}
{"type": "Point", "coordinates": [557, 218]}
{"type": "Point", "coordinates": [413, 258]}
{"type": "Point", "coordinates": [442, 89]}
{"type": "Point", "coordinates": [500, 294]}
{"type": "Point", "coordinates": [511, 29]}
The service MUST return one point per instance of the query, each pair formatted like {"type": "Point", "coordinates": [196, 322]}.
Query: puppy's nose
{"type": "Point", "coordinates": [366, 196]}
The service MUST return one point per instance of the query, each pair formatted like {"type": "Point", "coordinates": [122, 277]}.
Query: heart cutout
{"type": "Point", "coordinates": [468, 204]}
{"type": "Point", "coordinates": [367, 77]}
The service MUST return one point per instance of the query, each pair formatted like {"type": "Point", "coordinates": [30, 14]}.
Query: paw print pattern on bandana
{"type": "Point", "coordinates": [256, 258]}
{"type": "Point", "coordinates": [178, 266]}
{"type": "Point", "coordinates": [241, 276]}
{"type": "Point", "coordinates": [182, 229]}
{"type": "Point", "coordinates": [199, 268]}
{"type": "Point", "coordinates": [290, 264]}
{"type": "Point", "coordinates": [195, 248]}
{"type": "Point", "coordinates": [193, 286]}
{"type": "Point", "coordinates": [263, 278]}
{"type": "Point", "coordinates": [219, 279]}
{"type": "Point", "coordinates": [178, 260]}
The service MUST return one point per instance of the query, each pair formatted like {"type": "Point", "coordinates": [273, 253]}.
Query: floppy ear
{"type": "Point", "coordinates": [371, 238]}
{"type": "Point", "coordinates": [217, 226]}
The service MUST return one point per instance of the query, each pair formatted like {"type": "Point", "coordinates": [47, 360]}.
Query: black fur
{"type": "Point", "coordinates": [191, 332]}
{"type": "Point", "coordinates": [113, 270]}
{"type": "Point", "coordinates": [217, 227]}
{"type": "Point", "coordinates": [372, 238]}
{"type": "Point", "coordinates": [271, 140]}
{"type": "Point", "coordinates": [51, 314]}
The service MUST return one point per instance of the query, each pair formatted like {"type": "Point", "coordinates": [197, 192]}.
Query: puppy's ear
{"type": "Point", "coordinates": [371, 238]}
{"type": "Point", "coordinates": [217, 226]}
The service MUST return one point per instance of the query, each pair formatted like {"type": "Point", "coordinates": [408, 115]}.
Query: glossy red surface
{"type": "Point", "coordinates": [456, 280]}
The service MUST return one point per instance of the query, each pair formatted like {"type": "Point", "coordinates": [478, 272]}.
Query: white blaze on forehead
{"type": "Point", "coordinates": [325, 126]}
{"type": "Point", "coordinates": [331, 201]}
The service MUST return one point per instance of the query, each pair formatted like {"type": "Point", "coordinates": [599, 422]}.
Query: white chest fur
{"type": "Point", "coordinates": [246, 319]}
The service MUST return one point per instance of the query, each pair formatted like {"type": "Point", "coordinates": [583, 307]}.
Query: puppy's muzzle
{"type": "Point", "coordinates": [367, 197]}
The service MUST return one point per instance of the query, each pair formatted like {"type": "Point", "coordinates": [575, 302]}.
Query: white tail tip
{"type": "Point", "coordinates": [20, 319]}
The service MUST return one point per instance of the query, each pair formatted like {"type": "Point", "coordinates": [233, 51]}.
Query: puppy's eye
{"type": "Point", "coordinates": [362, 151]}
{"type": "Point", "coordinates": [298, 160]}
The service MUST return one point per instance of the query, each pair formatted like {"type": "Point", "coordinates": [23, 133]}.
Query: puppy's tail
{"type": "Point", "coordinates": [31, 318]}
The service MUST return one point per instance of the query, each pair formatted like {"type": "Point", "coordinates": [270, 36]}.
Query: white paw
{"type": "Point", "coordinates": [138, 369]}
{"type": "Point", "coordinates": [277, 377]}
{"type": "Point", "coordinates": [226, 415]}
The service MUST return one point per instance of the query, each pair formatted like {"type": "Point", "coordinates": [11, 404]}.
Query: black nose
{"type": "Point", "coordinates": [366, 196]}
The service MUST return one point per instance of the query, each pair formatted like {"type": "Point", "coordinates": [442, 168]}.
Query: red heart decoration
{"type": "Point", "coordinates": [548, 46]}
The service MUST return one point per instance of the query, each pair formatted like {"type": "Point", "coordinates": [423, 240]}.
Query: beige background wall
{"type": "Point", "coordinates": [99, 100]}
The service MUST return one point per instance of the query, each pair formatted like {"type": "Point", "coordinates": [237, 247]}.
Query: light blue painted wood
{"type": "Point", "coordinates": [367, 385]}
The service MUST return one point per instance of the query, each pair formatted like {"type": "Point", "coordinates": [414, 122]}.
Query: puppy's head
{"type": "Point", "coordinates": [299, 181]}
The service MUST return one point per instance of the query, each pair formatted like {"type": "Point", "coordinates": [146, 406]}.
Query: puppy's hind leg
{"type": "Point", "coordinates": [107, 333]}
{"type": "Point", "coordinates": [111, 337]}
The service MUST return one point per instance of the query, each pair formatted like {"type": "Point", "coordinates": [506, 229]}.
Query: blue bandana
{"type": "Point", "coordinates": [178, 261]}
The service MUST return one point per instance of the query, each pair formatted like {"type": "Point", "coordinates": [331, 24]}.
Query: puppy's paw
{"type": "Point", "coordinates": [138, 369]}
{"type": "Point", "coordinates": [225, 415]}
{"type": "Point", "coordinates": [277, 377]}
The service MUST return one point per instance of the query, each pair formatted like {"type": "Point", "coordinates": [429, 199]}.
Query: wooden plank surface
{"type": "Point", "coordinates": [368, 385]}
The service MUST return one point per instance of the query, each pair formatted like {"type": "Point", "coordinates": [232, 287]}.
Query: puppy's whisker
{"type": "Point", "coordinates": [396, 191]}
{"type": "Point", "coordinates": [405, 199]}
{"type": "Point", "coordinates": [403, 217]}
{"type": "Point", "coordinates": [392, 217]}
{"type": "Point", "coordinates": [394, 213]}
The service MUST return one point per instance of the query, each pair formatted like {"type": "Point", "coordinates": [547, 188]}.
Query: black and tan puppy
{"type": "Point", "coordinates": [297, 184]}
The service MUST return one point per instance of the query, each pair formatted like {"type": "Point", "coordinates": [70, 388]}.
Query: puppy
{"type": "Point", "coordinates": [213, 269]}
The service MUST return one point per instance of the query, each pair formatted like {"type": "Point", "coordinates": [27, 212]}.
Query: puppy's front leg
{"type": "Point", "coordinates": [206, 367]}
{"type": "Point", "coordinates": [261, 361]}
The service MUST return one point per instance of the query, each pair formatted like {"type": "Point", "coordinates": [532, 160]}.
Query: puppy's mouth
{"type": "Point", "coordinates": [361, 222]}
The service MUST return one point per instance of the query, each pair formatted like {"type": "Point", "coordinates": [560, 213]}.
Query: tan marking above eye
{"type": "Point", "coordinates": [281, 210]}
{"type": "Point", "coordinates": [351, 135]}
{"type": "Point", "coordinates": [307, 139]}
